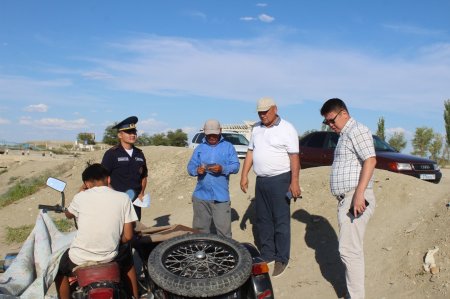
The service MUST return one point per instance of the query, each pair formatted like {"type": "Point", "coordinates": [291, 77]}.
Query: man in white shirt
{"type": "Point", "coordinates": [105, 226]}
{"type": "Point", "coordinates": [274, 154]}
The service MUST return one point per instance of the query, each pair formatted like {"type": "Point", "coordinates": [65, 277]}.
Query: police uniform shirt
{"type": "Point", "coordinates": [126, 172]}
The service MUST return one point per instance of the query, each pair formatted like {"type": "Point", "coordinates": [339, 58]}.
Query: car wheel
{"type": "Point", "coordinates": [199, 265]}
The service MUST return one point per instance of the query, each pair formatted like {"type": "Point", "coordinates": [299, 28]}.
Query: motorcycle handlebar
{"type": "Point", "coordinates": [55, 208]}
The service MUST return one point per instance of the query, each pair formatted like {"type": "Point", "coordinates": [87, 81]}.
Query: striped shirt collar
{"type": "Point", "coordinates": [275, 123]}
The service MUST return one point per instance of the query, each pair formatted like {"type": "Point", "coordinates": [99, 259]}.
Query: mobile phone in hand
{"type": "Point", "coordinates": [351, 210]}
{"type": "Point", "coordinates": [290, 196]}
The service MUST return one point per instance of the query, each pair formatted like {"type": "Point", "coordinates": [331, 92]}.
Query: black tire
{"type": "Point", "coordinates": [199, 265]}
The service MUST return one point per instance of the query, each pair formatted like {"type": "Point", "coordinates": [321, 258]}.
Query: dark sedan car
{"type": "Point", "coordinates": [317, 149]}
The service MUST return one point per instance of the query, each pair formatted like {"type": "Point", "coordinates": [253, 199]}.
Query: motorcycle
{"type": "Point", "coordinates": [177, 263]}
{"type": "Point", "coordinates": [97, 281]}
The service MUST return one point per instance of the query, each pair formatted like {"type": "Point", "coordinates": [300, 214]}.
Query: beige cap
{"type": "Point", "coordinates": [264, 104]}
{"type": "Point", "coordinates": [211, 126]}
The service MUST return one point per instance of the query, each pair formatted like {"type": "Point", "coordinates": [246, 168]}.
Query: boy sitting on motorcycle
{"type": "Point", "coordinates": [105, 226]}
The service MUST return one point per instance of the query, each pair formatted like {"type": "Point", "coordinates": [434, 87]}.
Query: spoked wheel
{"type": "Point", "coordinates": [199, 265]}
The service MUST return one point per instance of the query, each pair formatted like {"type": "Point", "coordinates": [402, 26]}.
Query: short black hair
{"type": "Point", "coordinates": [94, 172]}
{"type": "Point", "coordinates": [333, 104]}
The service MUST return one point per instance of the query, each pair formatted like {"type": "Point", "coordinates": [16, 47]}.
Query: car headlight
{"type": "Point", "coordinates": [404, 166]}
{"type": "Point", "coordinates": [436, 166]}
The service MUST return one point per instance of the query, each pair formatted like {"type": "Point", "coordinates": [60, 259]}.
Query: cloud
{"type": "Point", "coordinates": [25, 120]}
{"type": "Point", "coordinates": [436, 53]}
{"type": "Point", "coordinates": [391, 131]}
{"type": "Point", "coordinates": [4, 121]}
{"type": "Point", "coordinates": [29, 90]}
{"type": "Point", "coordinates": [414, 30]}
{"type": "Point", "coordinates": [266, 18]}
{"type": "Point", "coordinates": [62, 124]}
{"type": "Point", "coordinates": [196, 15]}
{"type": "Point", "coordinates": [96, 75]}
{"type": "Point", "coordinates": [247, 19]}
{"type": "Point", "coordinates": [55, 123]}
{"type": "Point", "coordinates": [189, 130]}
{"type": "Point", "coordinates": [152, 126]}
{"type": "Point", "coordinates": [261, 4]}
{"type": "Point", "coordinates": [37, 108]}
{"type": "Point", "coordinates": [245, 69]}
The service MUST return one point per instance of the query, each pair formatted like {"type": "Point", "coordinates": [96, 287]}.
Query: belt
{"type": "Point", "coordinates": [340, 196]}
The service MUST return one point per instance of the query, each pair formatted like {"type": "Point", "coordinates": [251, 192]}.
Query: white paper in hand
{"type": "Point", "coordinates": [144, 203]}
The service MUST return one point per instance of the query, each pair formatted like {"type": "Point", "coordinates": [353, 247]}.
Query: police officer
{"type": "Point", "coordinates": [126, 163]}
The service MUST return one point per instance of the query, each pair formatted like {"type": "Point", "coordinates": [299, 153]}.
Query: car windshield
{"type": "Point", "coordinates": [381, 145]}
{"type": "Point", "coordinates": [235, 139]}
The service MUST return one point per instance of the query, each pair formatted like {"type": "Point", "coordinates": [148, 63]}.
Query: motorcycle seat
{"type": "Point", "coordinates": [96, 273]}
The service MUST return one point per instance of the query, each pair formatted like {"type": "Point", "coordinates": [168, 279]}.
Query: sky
{"type": "Point", "coordinates": [79, 66]}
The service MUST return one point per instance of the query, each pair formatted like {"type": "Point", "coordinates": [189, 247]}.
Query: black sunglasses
{"type": "Point", "coordinates": [331, 121]}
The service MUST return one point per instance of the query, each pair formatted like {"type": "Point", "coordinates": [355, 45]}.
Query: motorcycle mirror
{"type": "Point", "coordinates": [56, 184]}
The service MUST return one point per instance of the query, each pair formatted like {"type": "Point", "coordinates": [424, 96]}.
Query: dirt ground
{"type": "Point", "coordinates": [411, 217]}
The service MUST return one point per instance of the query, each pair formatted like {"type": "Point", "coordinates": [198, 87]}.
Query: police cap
{"type": "Point", "coordinates": [127, 124]}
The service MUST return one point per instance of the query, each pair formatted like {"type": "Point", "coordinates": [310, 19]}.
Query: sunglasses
{"type": "Point", "coordinates": [331, 121]}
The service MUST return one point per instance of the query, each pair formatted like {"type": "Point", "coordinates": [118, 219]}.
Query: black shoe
{"type": "Point", "coordinates": [279, 269]}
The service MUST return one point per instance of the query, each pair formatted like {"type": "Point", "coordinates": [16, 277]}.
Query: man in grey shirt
{"type": "Point", "coordinates": [351, 183]}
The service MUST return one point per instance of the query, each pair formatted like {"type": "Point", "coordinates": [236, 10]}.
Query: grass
{"type": "Point", "coordinates": [26, 187]}
{"type": "Point", "coordinates": [18, 234]}
{"type": "Point", "coordinates": [21, 233]}
{"type": "Point", "coordinates": [22, 189]}
{"type": "Point", "coordinates": [64, 225]}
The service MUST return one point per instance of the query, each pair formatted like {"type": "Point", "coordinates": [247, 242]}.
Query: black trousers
{"type": "Point", "coordinates": [273, 217]}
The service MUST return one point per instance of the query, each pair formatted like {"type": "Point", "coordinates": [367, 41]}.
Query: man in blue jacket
{"type": "Point", "coordinates": [212, 163]}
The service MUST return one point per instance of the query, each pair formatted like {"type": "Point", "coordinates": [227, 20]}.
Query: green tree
{"type": "Point", "coordinates": [422, 140]}
{"type": "Point", "coordinates": [436, 146]}
{"type": "Point", "coordinates": [159, 139]}
{"type": "Point", "coordinates": [398, 141]}
{"type": "Point", "coordinates": [447, 121]}
{"type": "Point", "coordinates": [380, 129]}
{"type": "Point", "coordinates": [110, 135]}
{"type": "Point", "coordinates": [86, 138]}
{"type": "Point", "coordinates": [446, 153]}
{"type": "Point", "coordinates": [144, 140]}
{"type": "Point", "coordinates": [177, 138]}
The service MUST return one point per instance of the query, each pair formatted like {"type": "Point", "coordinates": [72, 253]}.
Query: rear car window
{"type": "Point", "coordinates": [316, 140]}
